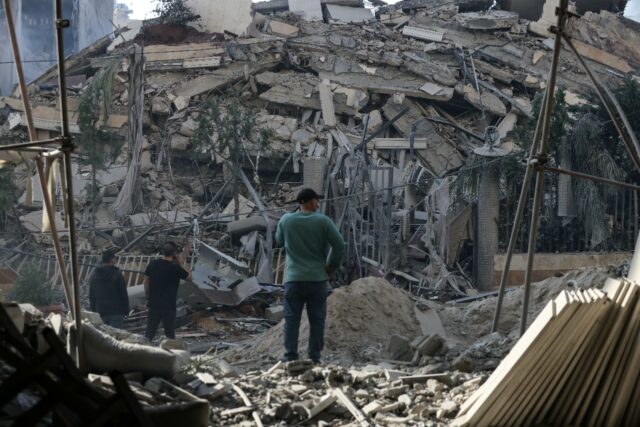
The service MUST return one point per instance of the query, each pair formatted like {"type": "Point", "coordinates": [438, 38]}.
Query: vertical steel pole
{"type": "Point", "coordinates": [67, 148]}
{"type": "Point", "coordinates": [542, 153]}
{"type": "Point", "coordinates": [389, 237]}
{"type": "Point", "coordinates": [517, 222]}
{"type": "Point", "coordinates": [40, 168]}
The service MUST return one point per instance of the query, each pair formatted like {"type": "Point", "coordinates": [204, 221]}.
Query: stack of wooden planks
{"type": "Point", "coordinates": [577, 364]}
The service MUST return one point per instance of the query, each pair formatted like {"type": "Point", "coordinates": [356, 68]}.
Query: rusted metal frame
{"type": "Point", "coordinates": [33, 143]}
{"type": "Point", "coordinates": [67, 148]}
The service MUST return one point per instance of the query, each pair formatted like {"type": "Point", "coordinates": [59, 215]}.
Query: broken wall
{"type": "Point", "coordinates": [219, 15]}
{"type": "Point", "coordinates": [549, 265]}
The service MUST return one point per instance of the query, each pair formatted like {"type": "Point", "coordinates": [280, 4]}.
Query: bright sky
{"type": "Point", "coordinates": [142, 9]}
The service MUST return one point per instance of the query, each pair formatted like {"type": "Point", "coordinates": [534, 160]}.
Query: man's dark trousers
{"type": "Point", "coordinates": [168, 318]}
{"type": "Point", "coordinates": [296, 296]}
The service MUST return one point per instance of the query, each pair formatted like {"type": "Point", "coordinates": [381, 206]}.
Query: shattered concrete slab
{"type": "Point", "coordinates": [309, 10]}
{"type": "Point", "coordinates": [491, 20]}
{"type": "Point", "coordinates": [381, 79]}
{"type": "Point", "coordinates": [348, 14]}
{"type": "Point", "coordinates": [439, 156]}
{"type": "Point", "coordinates": [302, 90]}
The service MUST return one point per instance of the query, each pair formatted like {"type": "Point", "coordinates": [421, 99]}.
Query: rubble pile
{"type": "Point", "coordinates": [299, 393]}
{"type": "Point", "coordinates": [395, 100]}
{"type": "Point", "coordinates": [360, 317]}
{"type": "Point", "coordinates": [380, 111]}
{"type": "Point", "coordinates": [472, 321]}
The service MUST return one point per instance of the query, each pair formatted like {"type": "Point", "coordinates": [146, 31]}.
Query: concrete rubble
{"type": "Point", "coordinates": [379, 109]}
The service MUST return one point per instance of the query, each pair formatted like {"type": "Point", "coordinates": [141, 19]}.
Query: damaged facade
{"type": "Point", "coordinates": [407, 118]}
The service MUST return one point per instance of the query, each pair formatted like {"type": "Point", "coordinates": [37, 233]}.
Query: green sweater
{"type": "Point", "coordinates": [305, 236]}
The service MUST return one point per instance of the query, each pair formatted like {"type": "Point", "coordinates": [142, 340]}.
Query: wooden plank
{"type": "Point", "coordinates": [524, 381]}
{"type": "Point", "coordinates": [535, 375]}
{"type": "Point", "coordinates": [616, 369]}
{"type": "Point", "coordinates": [487, 395]}
{"type": "Point", "coordinates": [160, 52]}
{"type": "Point", "coordinates": [631, 374]}
{"type": "Point", "coordinates": [577, 339]}
{"type": "Point", "coordinates": [601, 56]}
{"type": "Point", "coordinates": [558, 406]}
{"type": "Point", "coordinates": [628, 298]}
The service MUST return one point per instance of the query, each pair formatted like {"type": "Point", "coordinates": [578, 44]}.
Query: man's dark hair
{"type": "Point", "coordinates": [168, 249]}
{"type": "Point", "coordinates": [307, 194]}
{"type": "Point", "coordinates": [108, 255]}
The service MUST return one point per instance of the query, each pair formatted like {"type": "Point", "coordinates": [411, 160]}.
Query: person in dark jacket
{"type": "Point", "coordinates": [161, 282]}
{"type": "Point", "coordinates": [108, 291]}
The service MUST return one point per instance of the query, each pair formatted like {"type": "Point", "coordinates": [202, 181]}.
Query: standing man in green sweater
{"type": "Point", "coordinates": [305, 235]}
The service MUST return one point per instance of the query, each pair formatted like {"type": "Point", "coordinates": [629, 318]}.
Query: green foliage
{"type": "Point", "coordinates": [228, 129]}
{"type": "Point", "coordinates": [34, 287]}
{"type": "Point", "coordinates": [174, 12]}
{"type": "Point", "coordinates": [95, 137]}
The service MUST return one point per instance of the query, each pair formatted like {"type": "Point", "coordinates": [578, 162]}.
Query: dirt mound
{"type": "Point", "coordinates": [359, 316]}
{"type": "Point", "coordinates": [467, 324]}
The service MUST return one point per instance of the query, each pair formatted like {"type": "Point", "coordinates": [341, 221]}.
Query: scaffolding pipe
{"type": "Point", "coordinates": [542, 154]}
{"type": "Point", "coordinates": [517, 222]}
{"type": "Point", "coordinates": [67, 148]}
{"type": "Point", "coordinates": [32, 137]}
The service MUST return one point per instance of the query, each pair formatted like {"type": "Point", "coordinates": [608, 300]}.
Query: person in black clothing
{"type": "Point", "coordinates": [108, 291]}
{"type": "Point", "coordinates": [161, 287]}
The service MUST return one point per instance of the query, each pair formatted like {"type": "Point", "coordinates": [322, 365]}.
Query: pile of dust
{"type": "Point", "coordinates": [362, 315]}
{"type": "Point", "coordinates": [468, 323]}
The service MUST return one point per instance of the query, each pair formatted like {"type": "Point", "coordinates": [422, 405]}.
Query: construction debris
{"type": "Point", "coordinates": [381, 110]}
{"type": "Point", "coordinates": [569, 367]}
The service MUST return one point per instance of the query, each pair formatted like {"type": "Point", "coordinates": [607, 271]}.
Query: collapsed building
{"type": "Point", "coordinates": [381, 112]}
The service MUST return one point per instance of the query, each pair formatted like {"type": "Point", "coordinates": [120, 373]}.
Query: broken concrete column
{"type": "Point", "coordinates": [487, 243]}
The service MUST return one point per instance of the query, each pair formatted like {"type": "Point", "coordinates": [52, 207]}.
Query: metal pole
{"type": "Point", "coordinates": [55, 236]}
{"type": "Point", "coordinates": [32, 137]}
{"type": "Point", "coordinates": [33, 143]}
{"type": "Point", "coordinates": [517, 222]}
{"type": "Point", "coordinates": [389, 237]}
{"type": "Point", "coordinates": [544, 146]}
{"type": "Point", "coordinates": [67, 148]}
{"type": "Point", "coordinates": [592, 178]}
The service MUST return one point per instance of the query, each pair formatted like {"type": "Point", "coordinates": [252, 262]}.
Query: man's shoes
{"type": "Point", "coordinates": [316, 361]}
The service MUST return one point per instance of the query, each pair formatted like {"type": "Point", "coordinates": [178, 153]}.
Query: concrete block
{"type": "Point", "coordinates": [274, 313]}
{"type": "Point", "coordinates": [399, 348]}
{"type": "Point", "coordinates": [431, 345]}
